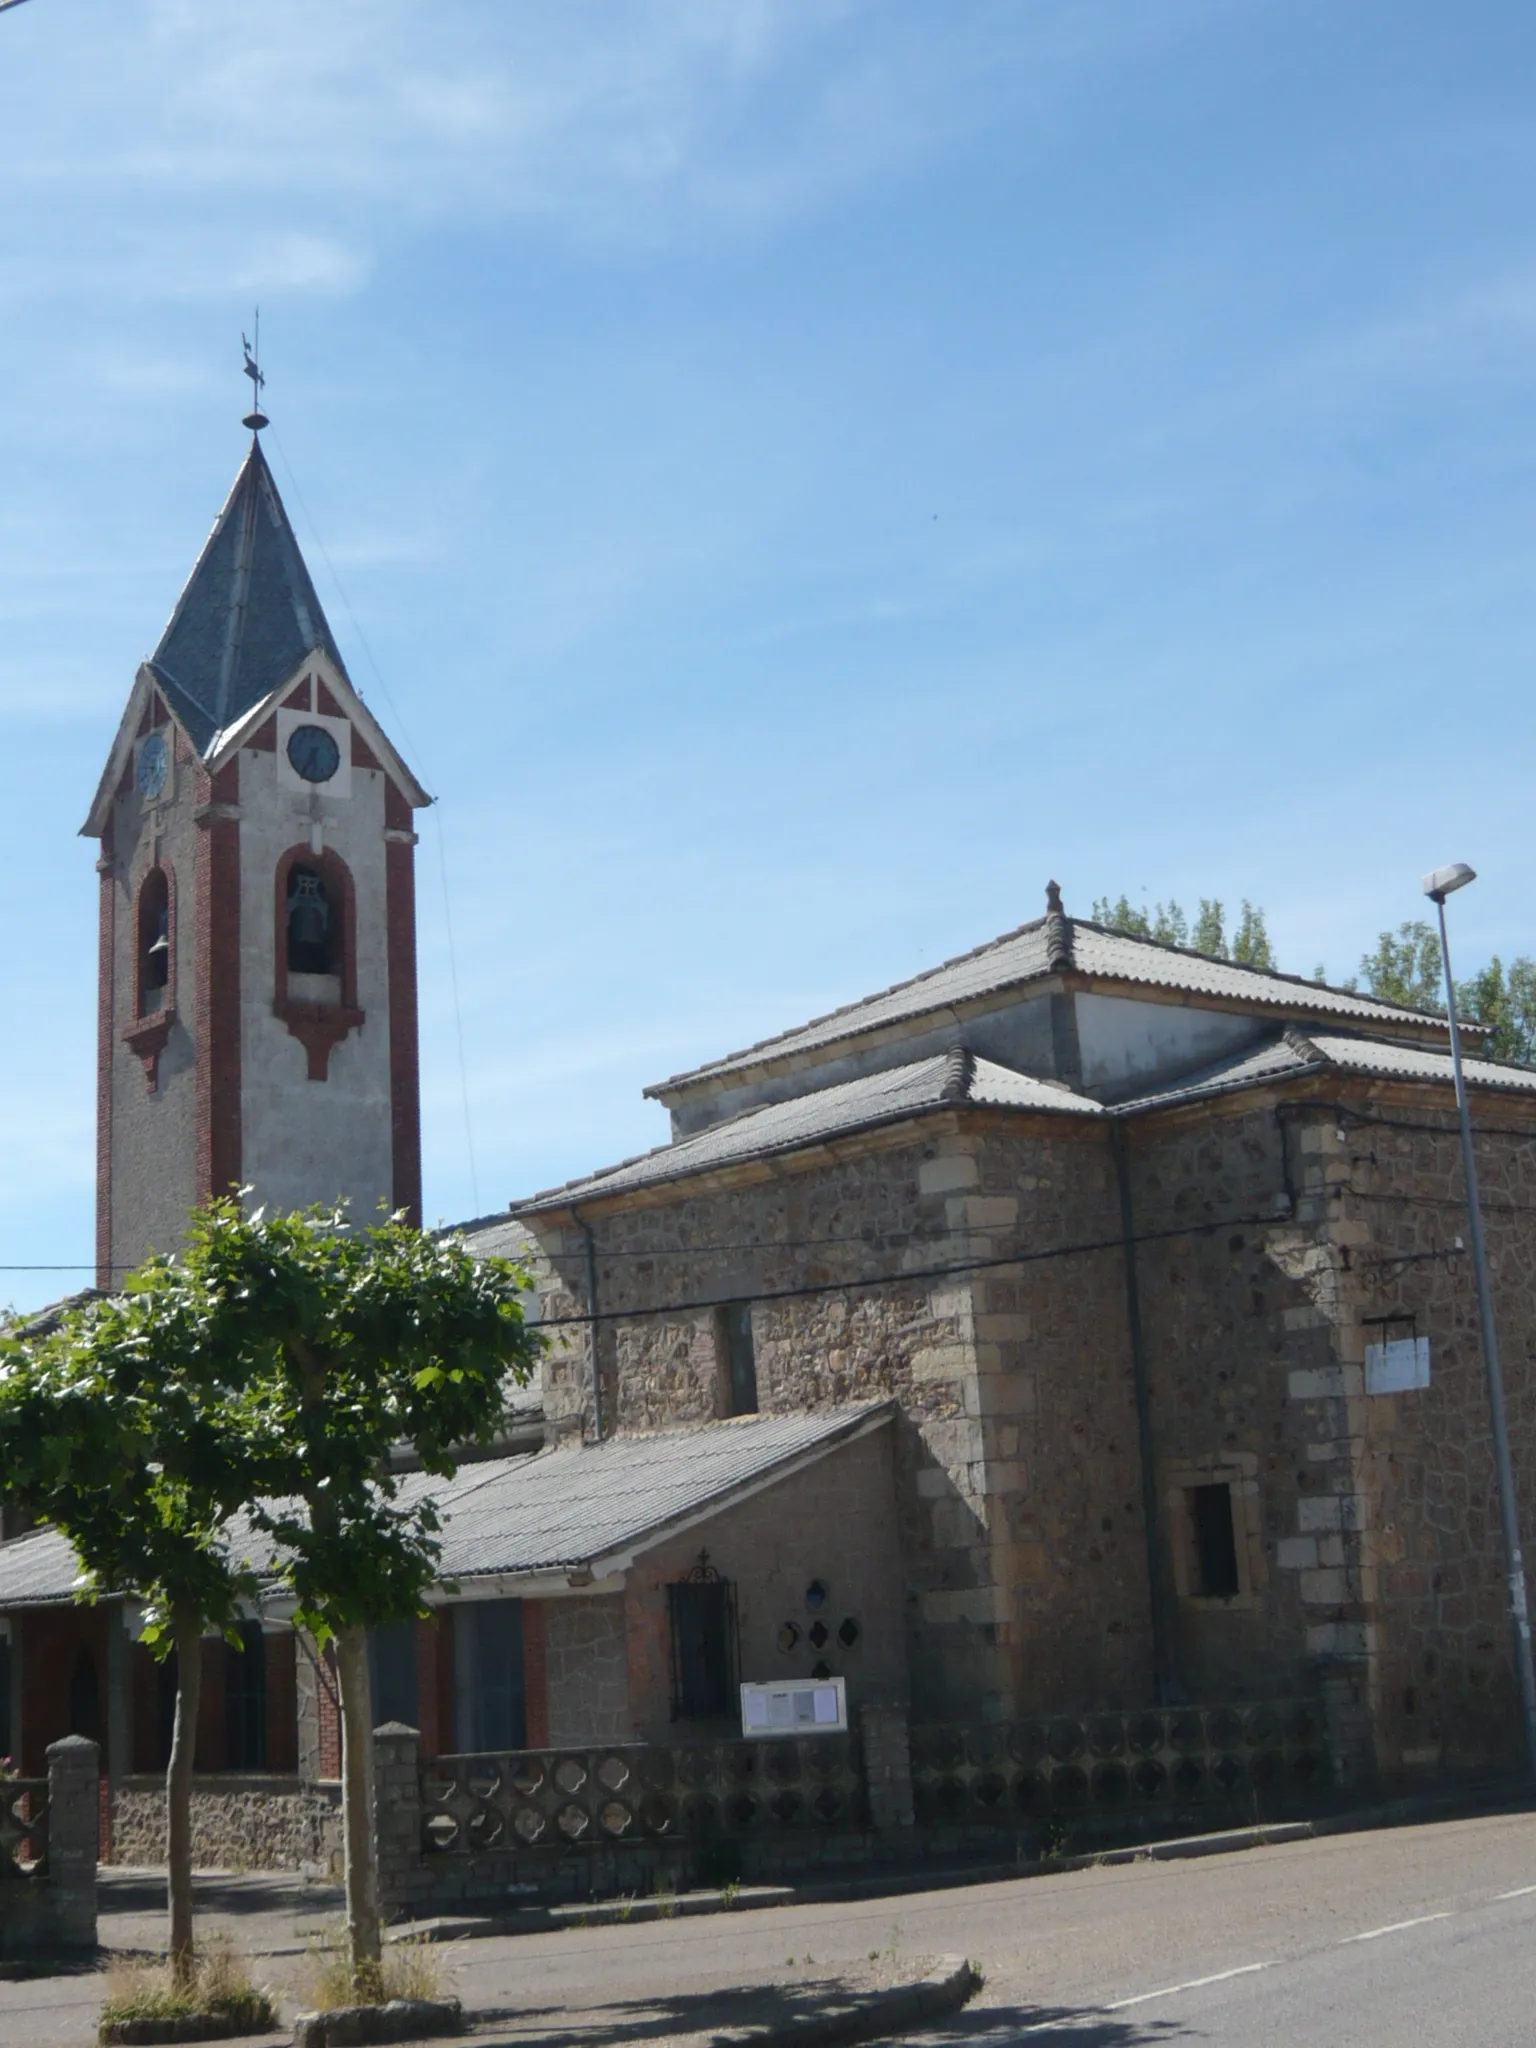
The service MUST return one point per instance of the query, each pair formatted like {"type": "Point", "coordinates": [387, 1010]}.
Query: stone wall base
{"type": "Point", "coordinates": [246, 1822]}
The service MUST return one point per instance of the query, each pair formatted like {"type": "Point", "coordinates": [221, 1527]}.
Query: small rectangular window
{"type": "Point", "coordinates": [702, 1613]}
{"type": "Point", "coordinates": [738, 1359]}
{"type": "Point", "coordinates": [1215, 1542]}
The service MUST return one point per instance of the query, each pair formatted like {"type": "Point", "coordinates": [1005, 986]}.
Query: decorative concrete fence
{"type": "Point", "coordinates": [1013, 1773]}
{"type": "Point", "coordinates": [543, 1825]}
{"type": "Point", "coordinates": [627, 1817]}
{"type": "Point", "coordinates": [48, 1843]}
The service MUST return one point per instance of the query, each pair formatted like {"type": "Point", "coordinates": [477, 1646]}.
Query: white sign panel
{"type": "Point", "coordinates": [795, 1706]}
{"type": "Point", "coordinates": [1399, 1367]}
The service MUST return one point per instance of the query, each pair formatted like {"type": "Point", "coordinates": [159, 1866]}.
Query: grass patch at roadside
{"type": "Point", "coordinates": [221, 1988]}
{"type": "Point", "coordinates": [408, 1969]}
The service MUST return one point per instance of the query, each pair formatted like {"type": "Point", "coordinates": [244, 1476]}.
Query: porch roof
{"type": "Point", "coordinates": [569, 1516]}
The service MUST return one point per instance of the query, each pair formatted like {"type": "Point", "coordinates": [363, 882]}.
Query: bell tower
{"type": "Point", "coordinates": [257, 964]}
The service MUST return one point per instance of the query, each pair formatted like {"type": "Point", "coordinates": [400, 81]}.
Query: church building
{"type": "Point", "coordinates": [1065, 1359]}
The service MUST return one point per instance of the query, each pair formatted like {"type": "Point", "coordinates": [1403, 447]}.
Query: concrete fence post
{"type": "Point", "coordinates": [397, 1815]}
{"type": "Point", "coordinates": [74, 1818]}
{"type": "Point", "coordinates": [887, 1766]}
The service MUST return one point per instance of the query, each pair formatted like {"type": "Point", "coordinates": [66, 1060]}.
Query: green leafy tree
{"type": "Point", "coordinates": [1122, 916]}
{"type": "Point", "coordinates": [353, 1343]}
{"type": "Point", "coordinates": [121, 1428]}
{"type": "Point", "coordinates": [1405, 967]}
{"type": "Point", "coordinates": [1209, 933]}
{"type": "Point", "coordinates": [1250, 942]}
{"type": "Point", "coordinates": [1504, 1002]}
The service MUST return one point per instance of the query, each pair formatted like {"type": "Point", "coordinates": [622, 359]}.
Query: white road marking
{"type": "Point", "coordinates": [1520, 1892]}
{"type": "Point", "coordinates": [1192, 1984]}
{"type": "Point", "coordinates": [1397, 1927]}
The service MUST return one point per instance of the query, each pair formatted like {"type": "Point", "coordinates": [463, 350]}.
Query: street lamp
{"type": "Point", "coordinates": [1442, 883]}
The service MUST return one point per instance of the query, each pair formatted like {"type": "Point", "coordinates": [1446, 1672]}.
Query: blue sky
{"type": "Point", "coordinates": [802, 472]}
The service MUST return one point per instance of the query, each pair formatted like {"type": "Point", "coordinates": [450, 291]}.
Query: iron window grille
{"type": "Point", "coordinates": [706, 1653]}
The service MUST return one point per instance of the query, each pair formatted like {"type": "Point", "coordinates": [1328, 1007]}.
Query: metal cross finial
{"type": "Point", "coordinates": [255, 419]}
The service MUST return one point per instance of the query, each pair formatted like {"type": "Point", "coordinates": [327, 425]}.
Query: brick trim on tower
{"type": "Point", "coordinates": [218, 982]}
{"type": "Point", "coordinates": [404, 1026]}
{"type": "Point", "coordinates": [319, 1027]}
{"type": "Point", "coordinates": [106, 941]}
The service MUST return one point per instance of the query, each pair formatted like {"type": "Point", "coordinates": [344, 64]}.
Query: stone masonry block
{"type": "Point", "coordinates": [1320, 1512]}
{"type": "Point", "coordinates": [948, 1175]}
{"type": "Point", "coordinates": [1296, 1553]}
{"type": "Point", "coordinates": [1323, 1385]}
{"type": "Point", "coordinates": [982, 1212]}
{"type": "Point", "coordinates": [1323, 1588]}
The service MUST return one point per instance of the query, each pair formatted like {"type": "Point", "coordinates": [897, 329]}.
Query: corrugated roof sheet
{"type": "Point", "coordinates": [248, 615]}
{"type": "Point", "coordinates": [944, 1080]}
{"type": "Point", "coordinates": [1277, 1059]}
{"type": "Point", "coordinates": [561, 1510]}
{"type": "Point", "coordinates": [1392, 1062]}
{"type": "Point", "coordinates": [1022, 956]}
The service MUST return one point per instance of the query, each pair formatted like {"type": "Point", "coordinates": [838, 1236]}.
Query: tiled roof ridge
{"type": "Point", "coordinates": [1305, 981]}
{"type": "Point", "coordinates": [765, 1045]}
{"type": "Point", "coordinates": [1058, 932]}
{"type": "Point", "coordinates": [1060, 928]}
{"type": "Point", "coordinates": [959, 1072]}
{"type": "Point", "coordinates": [584, 1180]}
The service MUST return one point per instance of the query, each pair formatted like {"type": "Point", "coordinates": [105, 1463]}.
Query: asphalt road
{"type": "Point", "coordinates": [1424, 1934]}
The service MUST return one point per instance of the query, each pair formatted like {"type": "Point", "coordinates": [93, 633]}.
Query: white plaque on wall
{"type": "Point", "coordinates": [1399, 1367]}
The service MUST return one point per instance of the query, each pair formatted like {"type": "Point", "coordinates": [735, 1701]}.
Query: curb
{"type": "Point", "coordinates": [945, 1989]}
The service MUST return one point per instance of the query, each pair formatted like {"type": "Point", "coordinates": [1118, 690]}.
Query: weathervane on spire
{"type": "Point", "coordinates": [255, 419]}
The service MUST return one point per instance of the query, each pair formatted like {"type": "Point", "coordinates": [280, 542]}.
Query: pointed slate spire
{"type": "Point", "coordinates": [248, 615]}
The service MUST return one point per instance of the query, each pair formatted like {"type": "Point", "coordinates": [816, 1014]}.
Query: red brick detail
{"type": "Point", "coordinates": [535, 1674]}
{"type": "Point", "coordinates": [404, 1042]}
{"type": "Point", "coordinates": [282, 1701]}
{"type": "Point", "coordinates": [106, 1046]}
{"type": "Point", "coordinates": [160, 711]}
{"type": "Point", "coordinates": [319, 1027]}
{"type": "Point", "coordinates": [264, 738]}
{"type": "Point", "coordinates": [397, 812]}
{"type": "Point", "coordinates": [325, 703]}
{"type": "Point", "coordinates": [330, 1716]}
{"type": "Point", "coordinates": [217, 1001]}
{"type": "Point", "coordinates": [51, 1640]}
{"type": "Point", "coordinates": [363, 755]}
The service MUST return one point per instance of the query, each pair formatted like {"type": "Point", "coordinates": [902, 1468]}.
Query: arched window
{"type": "Point", "coordinates": [154, 940]}
{"type": "Point", "coordinates": [314, 924]}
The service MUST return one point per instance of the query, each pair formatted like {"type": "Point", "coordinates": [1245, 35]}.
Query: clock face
{"type": "Point", "coordinates": [313, 753]}
{"type": "Point", "coordinates": [153, 761]}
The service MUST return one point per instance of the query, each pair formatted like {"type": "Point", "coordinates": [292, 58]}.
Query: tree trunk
{"type": "Point", "coordinates": [363, 1931]}
{"type": "Point", "coordinates": [187, 1631]}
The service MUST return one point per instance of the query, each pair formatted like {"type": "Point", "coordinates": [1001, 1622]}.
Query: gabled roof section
{"type": "Point", "coordinates": [1293, 1053]}
{"type": "Point", "coordinates": [248, 615]}
{"type": "Point", "coordinates": [952, 1080]}
{"type": "Point", "coordinates": [587, 1511]}
{"type": "Point", "coordinates": [1081, 952]}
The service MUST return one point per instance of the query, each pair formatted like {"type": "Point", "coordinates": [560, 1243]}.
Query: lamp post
{"type": "Point", "coordinates": [1442, 883]}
